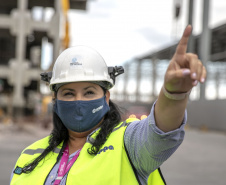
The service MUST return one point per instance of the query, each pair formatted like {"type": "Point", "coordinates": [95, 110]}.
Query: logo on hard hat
{"type": "Point", "coordinates": [74, 62]}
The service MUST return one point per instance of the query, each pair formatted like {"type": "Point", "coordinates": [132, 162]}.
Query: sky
{"type": "Point", "coordinates": [123, 29]}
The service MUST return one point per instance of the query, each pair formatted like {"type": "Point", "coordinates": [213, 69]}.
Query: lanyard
{"type": "Point", "coordinates": [64, 167]}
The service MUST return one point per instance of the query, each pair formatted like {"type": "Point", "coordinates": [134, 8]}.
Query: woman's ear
{"type": "Point", "coordinates": [54, 95]}
{"type": "Point", "coordinates": [107, 94]}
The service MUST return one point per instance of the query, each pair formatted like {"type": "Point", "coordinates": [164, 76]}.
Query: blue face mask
{"type": "Point", "coordinates": [81, 116]}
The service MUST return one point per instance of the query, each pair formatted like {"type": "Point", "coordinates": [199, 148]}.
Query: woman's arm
{"type": "Point", "coordinates": [148, 147]}
{"type": "Point", "coordinates": [184, 72]}
{"type": "Point", "coordinates": [153, 140]}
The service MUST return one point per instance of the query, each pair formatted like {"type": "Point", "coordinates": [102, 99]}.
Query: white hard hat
{"type": "Point", "coordinates": [82, 64]}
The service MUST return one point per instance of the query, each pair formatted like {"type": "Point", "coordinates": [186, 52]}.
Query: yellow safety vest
{"type": "Point", "coordinates": [110, 166]}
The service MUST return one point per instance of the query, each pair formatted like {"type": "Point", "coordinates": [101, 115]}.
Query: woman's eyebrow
{"type": "Point", "coordinates": [68, 89]}
{"type": "Point", "coordinates": [90, 87]}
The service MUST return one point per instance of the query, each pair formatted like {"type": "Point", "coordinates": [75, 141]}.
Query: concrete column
{"type": "Point", "coordinates": [204, 46]}
{"type": "Point", "coordinates": [154, 76]}
{"type": "Point", "coordinates": [191, 43]}
{"type": "Point", "coordinates": [20, 17]}
{"type": "Point", "coordinates": [138, 79]}
{"type": "Point", "coordinates": [55, 30]}
{"type": "Point", "coordinates": [217, 83]}
{"type": "Point", "coordinates": [125, 81]}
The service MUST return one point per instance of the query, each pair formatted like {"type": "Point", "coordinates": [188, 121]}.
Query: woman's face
{"type": "Point", "coordinates": [80, 91]}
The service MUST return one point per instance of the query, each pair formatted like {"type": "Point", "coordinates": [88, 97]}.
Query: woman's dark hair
{"type": "Point", "coordinates": [112, 119]}
{"type": "Point", "coordinates": [59, 134]}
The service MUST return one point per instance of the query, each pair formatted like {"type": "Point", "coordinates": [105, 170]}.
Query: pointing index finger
{"type": "Point", "coordinates": [182, 46]}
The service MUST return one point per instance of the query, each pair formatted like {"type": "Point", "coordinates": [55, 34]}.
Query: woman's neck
{"type": "Point", "coordinates": [75, 143]}
{"type": "Point", "coordinates": [78, 139]}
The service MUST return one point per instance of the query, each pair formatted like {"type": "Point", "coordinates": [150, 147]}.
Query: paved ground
{"type": "Point", "coordinates": [13, 140]}
{"type": "Point", "coordinates": [200, 160]}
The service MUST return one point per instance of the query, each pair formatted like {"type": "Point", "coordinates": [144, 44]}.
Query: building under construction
{"type": "Point", "coordinates": [25, 27]}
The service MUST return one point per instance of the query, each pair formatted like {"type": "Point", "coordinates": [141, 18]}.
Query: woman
{"type": "Point", "coordinates": [89, 144]}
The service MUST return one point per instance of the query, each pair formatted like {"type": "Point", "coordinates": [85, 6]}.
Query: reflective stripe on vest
{"type": "Point", "coordinates": [39, 151]}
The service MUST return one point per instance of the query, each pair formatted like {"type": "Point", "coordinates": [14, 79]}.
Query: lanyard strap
{"type": "Point", "coordinates": [64, 167]}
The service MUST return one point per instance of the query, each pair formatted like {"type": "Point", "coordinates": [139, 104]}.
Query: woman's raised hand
{"type": "Point", "coordinates": [185, 70]}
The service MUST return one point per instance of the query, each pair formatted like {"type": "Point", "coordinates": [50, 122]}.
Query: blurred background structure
{"type": "Point", "coordinates": [207, 105]}
{"type": "Point", "coordinates": [33, 33]}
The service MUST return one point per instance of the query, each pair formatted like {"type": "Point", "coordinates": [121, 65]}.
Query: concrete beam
{"type": "Point", "coordinates": [4, 71]}
{"type": "Point", "coordinates": [5, 21]}
{"type": "Point", "coordinates": [218, 56]}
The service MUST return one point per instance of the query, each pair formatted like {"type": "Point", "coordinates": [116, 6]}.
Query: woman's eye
{"type": "Point", "coordinates": [68, 94]}
{"type": "Point", "coordinates": [89, 93]}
